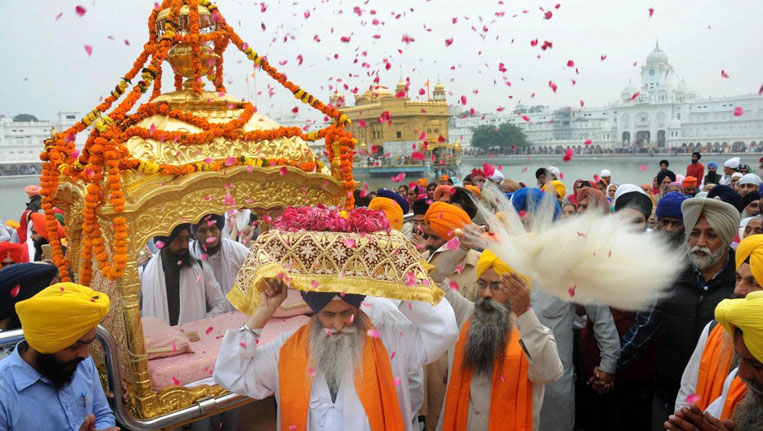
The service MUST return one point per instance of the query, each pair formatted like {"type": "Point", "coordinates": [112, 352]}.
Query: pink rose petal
{"type": "Point", "coordinates": [209, 330]}
{"type": "Point", "coordinates": [15, 290]}
{"type": "Point", "coordinates": [738, 111]}
{"type": "Point", "coordinates": [242, 344]}
{"type": "Point", "coordinates": [80, 10]}
{"type": "Point", "coordinates": [692, 398]}
{"type": "Point", "coordinates": [175, 382]}
{"type": "Point", "coordinates": [89, 50]}
{"type": "Point", "coordinates": [642, 167]}
{"type": "Point", "coordinates": [373, 333]}
{"type": "Point", "coordinates": [454, 286]}
{"type": "Point", "coordinates": [453, 244]}
{"type": "Point", "coordinates": [396, 382]}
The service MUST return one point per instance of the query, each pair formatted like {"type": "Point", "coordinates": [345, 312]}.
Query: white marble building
{"type": "Point", "coordinates": [22, 142]}
{"type": "Point", "coordinates": [662, 112]}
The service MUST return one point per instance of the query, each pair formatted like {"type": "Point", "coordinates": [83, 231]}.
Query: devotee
{"type": "Point", "coordinates": [729, 167]}
{"type": "Point", "coordinates": [664, 178]}
{"type": "Point", "coordinates": [504, 355]}
{"type": "Point", "coordinates": [712, 176]}
{"type": "Point", "coordinates": [670, 220]}
{"type": "Point", "coordinates": [726, 194]}
{"type": "Point", "coordinates": [675, 186]}
{"type": "Point", "coordinates": [633, 205]}
{"type": "Point", "coordinates": [590, 198]}
{"type": "Point", "coordinates": [177, 288]}
{"type": "Point", "coordinates": [555, 172]}
{"type": "Point", "coordinates": [35, 199]}
{"type": "Point", "coordinates": [541, 176]}
{"type": "Point", "coordinates": [749, 183]}
{"type": "Point", "coordinates": [20, 282]}
{"type": "Point", "coordinates": [430, 190]}
{"type": "Point", "coordinates": [709, 278]}
{"type": "Point", "coordinates": [442, 220]}
{"type": "Point", "coordinates": [740, 406]}
{"type": "Point", "coordinates": [573, 198]}
{"type": "Point", "coordinates": [556, 189]}
{"type": "Point", "coordinates": [690, 185]}
{"type": "Point", "coordinates": [497, 177]}
{"type": "Point", "coordinates": [750, 205]}
{"type": "Point", "coordinates": [224, 256]}
{"type": "Point", "coordinates": [391, 209]}
{"type": "Point", "coordinates": [610, 191]}
{"type": "Point", "coordinates": [11, 253]}
{"type": "Point", "coordinates": [695, 168]}
{"type": "Point", "coordinates": [510, 186]}
{"type": "Point", "coordinates": [734, 183]}
{"type": "Point", "coordinates": [713, 356]}
{"type": "Point", "coordinates": [479, 177]}
{"type": "Point", "coordinates": [39, 233]}
{"type": "Point", "coordinates": [664, 165]}
{"type": "Point", "coordinates": [445, 180]}
{"type": "Point", "coordinates": [49, 381]}
{"type": "Point", "coordinates": [465, 199]}
{"type": "Point", "coordinates": [402, 190]}
{"type": "Point", "coordinates": [606, 176]}
{"type": "Point", "coordinates": [467, 181]}
{"type": "Point", "coordinates": [405, 207]}
{"type": "Point", "coordinates": [754, 227]}
{"type": "Point", "coordinates": [743, 169]}
{"type": "Point", "coordinates": [418, 235]}
{"type": "Point", "coordinates": [568, 210]}
{"type": "Point", "coordinates": [334, 345]}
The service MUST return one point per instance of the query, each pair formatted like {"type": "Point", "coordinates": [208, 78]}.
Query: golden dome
{"type": "Point", "coordinates": [377, 92]}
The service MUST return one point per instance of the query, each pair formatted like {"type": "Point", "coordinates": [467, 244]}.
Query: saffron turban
{"type": "Point", "coordinates": [444, 218]}
{"type": "Point", "coordinates": [442, 191]}
{"type": "Point", "coordinates": [488, 260]}
{"type": "Point", "coordinates": [561, 190]}
{"type": "Point", "coordinates": [61, 314]}
{"type": "Point", "coordinates": [19, 253]}
{"type": "Point", "coordinates": [670, 205]}
{"type": "Point", "coordinates": [722, 217]}
{"type": "Point", "coordinates": [689, 181]}
{"type": "Point", "coordinates": [32, 190]}
{"type": "Point", "coordinates": [474, 189]}
{"type": "Point", "coordinates": [728, 195]}
{"type": "Point", "coordinates": [22, 281]}
{"type": "Point", "coordinates": [744, 314]}
{"type": "Point", "coordinates": [39, 225]}
{"type": "Point", "coordinates": [444, 178]}
{"type": "Point", "coordinates": [390, 208]}
{"type": "Point", "coordinates": [395, 196]}
{"type": "Point", "coordinates": [752, 248]}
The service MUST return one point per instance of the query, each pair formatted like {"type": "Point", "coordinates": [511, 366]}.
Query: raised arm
{"type": "Point", "coordinates": [431, 332]}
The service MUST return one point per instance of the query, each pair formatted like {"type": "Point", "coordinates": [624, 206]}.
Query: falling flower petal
{"type": "Point", "coordinates": [453, 244]}
{"type": "Point", "coordinates": [552, 85]}
{"type": "Point", "coordinates": [349, 243]}
{"type": "Point", "coordinates": [588, 142]}
{"type": "Point", "coordinates": [15, 290]}
{"type": "Point", "coordinates": [373, 333]}
{"type": "Point", "coordinates": [642, 167]}
{"type": "Point", "coordinates": [209, 330]}
{"type": "Point", "coordinates": [449, 42]}
{"type": "Point", "coordinates": [410, 279]}
{"type": "Point", "coordinates": [80, 10]}
{"type": "Point", "coordinates": [417, 155]}
{"type": "Point", "coordinates": [738, 111]}
{"type": "Point", "coordinates": [571, 291]}
{"type": "Point", "coordinates": [651, 12]}
{"type": "Point", "coordinates": [567, 155]}
{"type": "Point", "coordinates": [89, 50]}
{"type": "Point", "coordinates": [459, 268]}
{"type": "Point", "coordinates": [454, 286]}
{"type": "Point", "coordinates": [159, 244]}
{"type": "Point", "coordinates": [283, 171]}
{"type": "Point", "coordinates": [396, 382]}
{"type": "Point", "coordinates": [692, 398]}
{"type": "Point", "coordinates": [570, 63]}
{"type": "Point", "coordinates": [724, 74]}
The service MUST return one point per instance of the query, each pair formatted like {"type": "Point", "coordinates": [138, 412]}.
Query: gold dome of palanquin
{"type": "Point", "coordinates": [180, 156]}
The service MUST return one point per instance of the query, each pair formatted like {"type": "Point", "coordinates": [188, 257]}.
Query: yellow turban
{"type": "Point", "coordinates": [489, 260]}
{"type": "Point", "coordinates": [561, 190]}
{"type": "Point", "coordinates": [752, 248]}
{"type": "Point", "coordinates": [747, 315]}
{"type": "Point", "coordinates": [444, 218]}
{"type": "Point", "coordinates": [391, 209]}
{"type": "Point", "coordinates": [61, 314]}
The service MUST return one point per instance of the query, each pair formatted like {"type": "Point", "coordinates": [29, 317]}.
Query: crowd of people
{"type": "Point", "coordinates": [495, 353]}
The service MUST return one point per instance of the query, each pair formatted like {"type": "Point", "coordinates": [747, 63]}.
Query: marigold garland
{"type": "Point", "coordinates": [104, 156]}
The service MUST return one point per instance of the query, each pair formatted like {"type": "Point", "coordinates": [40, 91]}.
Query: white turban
{"type": "Point", "coordinates": [738, 175]}
{"type": "Point", "coordinates": [627, 188]}
{"type": "Point", "coordinates": [732, 163]}
{"type": "Point", "coordinates": [749, 179]}
{"type": "Point", "coordinates": [497, 176]}
{"type": "Point", "coordinates": [605, 173]}
{"type": "Point", "coordinates": [554, 170]}
{"type": "Point", "coordinates": [722, 217]}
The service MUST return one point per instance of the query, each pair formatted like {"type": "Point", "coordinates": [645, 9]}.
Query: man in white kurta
{"type": "Point", "coordinates": [246, 368]}
{"type": "Point", "coordinates": [176, 287]}
{"type": "Point", "coordinates": [223, 255]}
{"type": "Point", "coordinates": [538, 341]}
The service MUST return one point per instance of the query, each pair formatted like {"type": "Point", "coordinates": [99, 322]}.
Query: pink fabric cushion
{"type": "Point", "coordinates": [162, 340]}
{"type": "Point", "coordinates": [293, 305]}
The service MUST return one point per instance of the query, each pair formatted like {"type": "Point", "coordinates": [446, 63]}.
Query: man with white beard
{"type": "Point", "coordinates": [708, 279]}
{"type": "Point", "coordinates": [337, 372]}
{"type": "Point", "coordinates": [504, 355]}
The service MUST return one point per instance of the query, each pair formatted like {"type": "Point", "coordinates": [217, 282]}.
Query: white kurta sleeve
{"type": "Point", "coordinates": [246, 368]}
{"type": "Point", "coordinates": [216, 302]}
{"type": "Point", "coordinates": [431, 332]}
{"type": "Point", "coordinates": [540, 345]}
{"type": "Point", "coordinates": [691, 372]}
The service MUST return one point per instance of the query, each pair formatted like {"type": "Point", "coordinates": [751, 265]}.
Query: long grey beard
{"type": "Point", "coordinates": [337, 356]}
{"type": "Point", "coordinates": [748, 415]}
{"type": "Point", "coordinates": [487, 336]}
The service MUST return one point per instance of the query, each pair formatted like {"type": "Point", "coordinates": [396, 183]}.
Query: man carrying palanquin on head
{"type": "Point", "coordinates": [50, 382]}
{"type": "Point", "coordinates": [503, 358]}
{"type": "Point", "coordinates": [175, 286]}
{"type": "Point", "coordinates": [338, 372]}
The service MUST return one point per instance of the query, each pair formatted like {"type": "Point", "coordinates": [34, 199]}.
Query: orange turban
{"type": "Point", "coordinates": [391, 209]}
{"type": "Point", "coordinates": [474, 189]}
{"type": "Point", "coordinates": [442, 191]}
{"type": "Point", "coordinates": [444, 178]}
{"type": "Point", "coordinates": [422, 182]}
{"type": "Point", "coordinates": [38, 223]}
{"type": "Point", "coordinates": [689, 182]}
{"type": "Point", "coordinates": [443, 218]}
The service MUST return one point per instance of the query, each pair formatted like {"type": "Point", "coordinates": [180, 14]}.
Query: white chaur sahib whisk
{"type": "Point", "coordinates": [588, 259]}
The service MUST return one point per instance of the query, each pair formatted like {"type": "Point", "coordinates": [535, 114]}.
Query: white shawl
{"type": "Point", "coordinates": [199, 292]}
{"type": "Point", "coordinates": [232, 256]}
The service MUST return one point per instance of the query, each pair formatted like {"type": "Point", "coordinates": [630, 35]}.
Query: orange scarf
{"type": "Point", "coordinates": [714, 366]}
{"type": "Point", "coordinates": [737, 392]}
{"type": "Point", "coordinates": [511, 395]}
{"type": "Point", "coordinates": [375, 389]}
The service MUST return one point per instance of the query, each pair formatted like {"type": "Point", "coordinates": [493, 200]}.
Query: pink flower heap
{"type": "Point", "coordinates": [324, 219]}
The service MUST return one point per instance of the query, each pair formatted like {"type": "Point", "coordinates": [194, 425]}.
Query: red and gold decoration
{"type": "Point", "coordinates": [192, 35]}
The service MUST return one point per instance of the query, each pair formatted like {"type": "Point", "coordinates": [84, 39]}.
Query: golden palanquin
{"type": "Point", "coordinates": [184, 154]}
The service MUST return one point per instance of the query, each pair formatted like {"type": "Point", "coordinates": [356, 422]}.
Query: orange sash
{"type": "Point", "coordinates": [375, 389]}
{"type": "Point", "coordinates": [737, 392]}
{"type": "Point", "coordinates": [714, 366]}
{"type": "Point", "coordinates": [511, 397]}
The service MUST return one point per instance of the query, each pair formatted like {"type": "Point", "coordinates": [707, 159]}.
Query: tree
{"type": "Point", "coordinates": [505, 135]}
{"type": "Point", "coordinates": [25, 118]}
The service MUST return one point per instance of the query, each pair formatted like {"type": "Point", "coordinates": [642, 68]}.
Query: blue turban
{"type": "Point", "coordinates": [712, 164]}
{"type": "Point", "coordinates": [760, 190]}
{"type": "Point", "coordinates": [395, 196]}
{"type": "Point", "coordinates": [728, 195]}
{"type": "Point", "coordinates": [527, 199]}
{"type": "Point", "coordinates": [317, 300]}
{"type": "Point", "coordinates": [670, 205]}
{"type": "Point", "coordinates": [217, 219]}
{"type": "Point", "coordinates": [30, 278]}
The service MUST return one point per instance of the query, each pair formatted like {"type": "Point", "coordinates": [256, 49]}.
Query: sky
{"type": "Point", "coordinates": [476, 48]}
